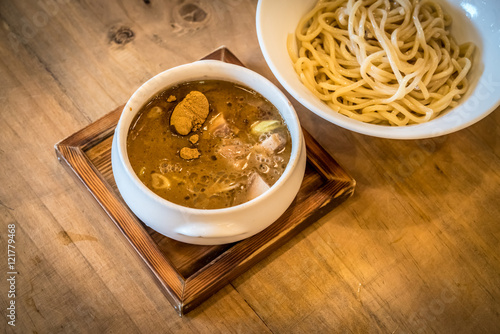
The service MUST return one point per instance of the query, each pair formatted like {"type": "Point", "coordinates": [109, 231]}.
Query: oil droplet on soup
{"type": "Point", "coordinates": [239, 151]}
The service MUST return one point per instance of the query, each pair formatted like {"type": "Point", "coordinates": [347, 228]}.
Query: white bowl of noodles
{"type": "Point", "coordinates": [472, 21]}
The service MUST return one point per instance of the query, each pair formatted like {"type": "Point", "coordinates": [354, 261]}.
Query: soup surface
{"type": "Point", "coordinates": [208, 144]}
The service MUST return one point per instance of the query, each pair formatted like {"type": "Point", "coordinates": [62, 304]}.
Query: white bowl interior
{"type": "Point", "coordinates": [473, 20]}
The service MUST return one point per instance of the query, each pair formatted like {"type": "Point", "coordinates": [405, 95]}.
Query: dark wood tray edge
{"type": "Point", "coordinates": [69, 155]}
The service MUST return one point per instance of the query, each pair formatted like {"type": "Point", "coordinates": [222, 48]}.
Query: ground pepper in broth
{"type": "Point", "coordinates": [234, 154]}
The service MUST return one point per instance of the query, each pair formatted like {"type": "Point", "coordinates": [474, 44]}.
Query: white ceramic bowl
{"type": "Point", "coordinates": [473, 20]}
{"type": "Point", "coordinates": [218, 226]}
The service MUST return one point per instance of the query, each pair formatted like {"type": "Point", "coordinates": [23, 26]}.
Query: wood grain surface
{"type": "Point", "coordinates": [415, 250]}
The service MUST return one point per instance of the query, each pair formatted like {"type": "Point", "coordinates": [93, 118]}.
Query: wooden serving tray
{"type": "Point", "coordinates": [189, 274]}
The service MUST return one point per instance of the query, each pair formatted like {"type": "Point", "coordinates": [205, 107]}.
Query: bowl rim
{"type": "Point", "coordinates": [156, 84]}
{"type": "Point", "coordinates": [439, 126]}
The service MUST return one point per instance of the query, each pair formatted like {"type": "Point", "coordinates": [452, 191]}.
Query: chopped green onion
{"type": "Point", "coordinates": [261, 127]}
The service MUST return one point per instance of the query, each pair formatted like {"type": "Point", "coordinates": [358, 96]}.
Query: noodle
{"type": "Point", "coordinates": [381, 61]}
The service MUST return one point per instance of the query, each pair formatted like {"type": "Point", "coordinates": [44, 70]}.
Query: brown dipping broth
{"type": "Point", "coordinates": [216, 179]}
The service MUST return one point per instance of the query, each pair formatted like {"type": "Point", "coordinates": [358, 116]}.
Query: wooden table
{"type": "Point", "coordinates": [415, 250]}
